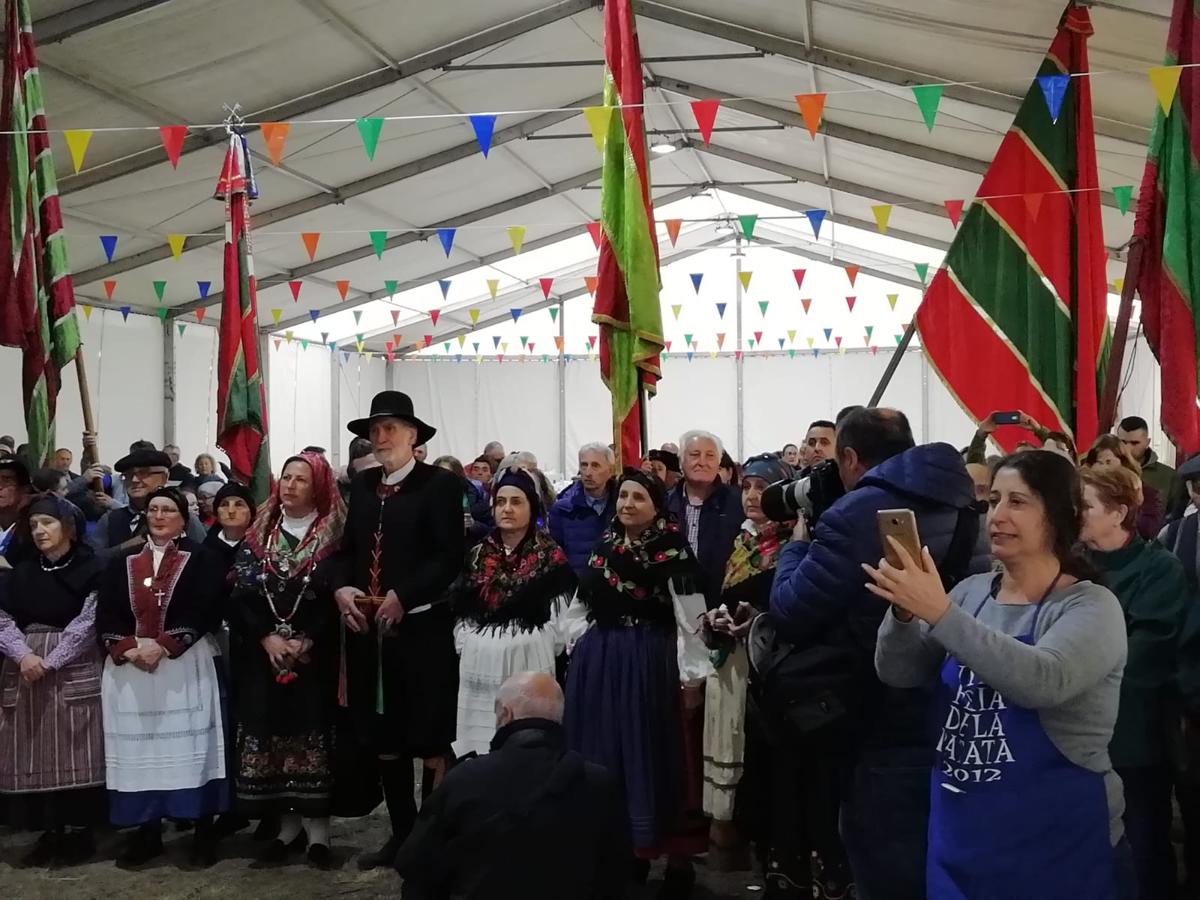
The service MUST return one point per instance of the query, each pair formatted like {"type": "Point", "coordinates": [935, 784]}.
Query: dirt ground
{"type": "Point", "coordinates": [234, 876]}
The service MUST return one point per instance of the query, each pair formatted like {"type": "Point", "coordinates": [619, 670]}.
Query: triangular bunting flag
{"type": "Point", "coordinates": [314, 314]}
{"type": "Point", "coordinates": [744, 278]}
{"type": "Point", "coordinates": [806, 302]}
{"type": "Point", "coordinates": [828, 333]}
{"type": "Point", "coordinates": [444, 284]}
{"type": "Point", "coordinates": [379, 243]}
{"type": "Point", "coordinates": [275, 135]}
{"type": "Point", "coordinates": [203, 287]}
{"type": "Point", "coordinates": [474, 316]}
{"type": "Point", "coordinates": [343, 287]}
{"type": "Point", "coordinates": [811, 341]}
{"type": "Point", "coordinates": [162, 313]}
{"type": "Point", "coordinates": [850, 301]}
{"type": "Point", "coordinates": [357, 316]}
{"type": "Point", "coordinates": [1123, 194]}
{"type": "Point", "coordinates": [851, 273]}
{"type": "Point", "coordinates": [598, 118]}
{"type": "Point", "coordinates": [838, 340]}
{"type": "Point", "coordinates": [954, 210]}
{"type": "Point", "coordinates": [77, 143]}
{"type": "Point", "coordinates": [892, 298]}
{"type": "Point", "coordinates": [277, 342]}
{"type": "Point", "coordinates": [446, 236]}
{"type": "Point", "coordinates": [495, 341]}
{"type": "Point", "coordinates": [928, 97]}
{"type": "Point", "coordinates": [673, 226]}
{"type": "Point", "coordinates": [558, 343]}
{"type": "Point", "coordinates": [791, 354]}
{"type": "Point", "coordinates": [160, 288]}
{"type": "Point", "coordinates": [515, 313]}
{"type": "Point", "coordinates": [176, 242]}
{"type": "Point", "coordinates": [922, 271]}
{"type": "Point", "coordinates": [554, 314]}
{"type": "Point", "coordinates": [125, 313]}
{"type": "Point", "coordinates": [546, 284]}
{"type": "Point", "coordinates": [493, 285]}
{"type": "Point", "coordinates": [758, 337]}
{"type": "Point", "coordinates": [815, 218]}
{"type": "Point", "coordinates": [1164, 80]}
{"type": "Point", "coordinates": [303, 344]}
{"type": "Point", "coordinates": [791, 334]}
{"type": "Point", "coordinates": [276, 313]}
{"type": "Point", "coordinates": [675, 308]}
{"type": "Point", "coordinates": [697, 277]}
{"type": "Point", "coordinates": [899, 338]}
{"type": "Point", "coordinates": [200, 314]}
{"type": "Point", "coordinates": [589, 281]}
{"type": "Point", "coordinates": [462, 339]}
{"type": "Point", "coordinates": [748, 222]}
{"type": "Point", "coordinates": [109, 287]}
{"type": "Point", "coordinates": [687, 339]}
{"type": "Point", "coordinates": [516, 234]}
{"type": "Point", "coordinates": [798, 274]}
{"type": "Point", "coordinates": [882, 213]}
{"type": "Point", "coordinates": [781, 343]}
{"type": "Point", "coordinates": [762, 307]}
{"type": "Point", "coordinates": [288, 336]}
{"type": "Point", "coordinates": [310, 239]}
{"type": "Point", "coordinates": [811, 107]}
{"type": "Point", "coordinates": [108, 243]}
{"type": "Point", "coordinates": [705, 112]}
{"type": "Point", "coordinates": [484, 126]}
{"type": "Point", "coordinates": [294, 287]}
{"type": "Point", "coordinates": [182, 326]}
{"type": "Point", "coordinates": [524, 340]}
{"type": "Point", "coordinates": [1054, 89]}
{"type": "Point", "coordinates": [434, 315]}
{"type": "Point", "coordinates": [869, 330]}
{"type": "Point", "coordinates": [390, 286]}
{"type": "Point", "coordinates": [368, 130]}
{"type": "Point", "coordinates": [593, 228]}
{"type": "Point", "coordinates": [720, 340]}
{"type": "Point", "coordinates": [172, 140]}
{"type": "Point", "coordinates": [720, 309]}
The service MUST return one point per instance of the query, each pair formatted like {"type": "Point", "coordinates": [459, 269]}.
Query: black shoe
{"type": "Point", "coordinates": [639, 870]}
{"type": "Point", "coordinates": [228, 825]}
{"type": "Point", "coordinates": [75, 848]}
{"type": "Point", "coordinates": [143, 845]}
{"type": "Point", "coordinates": [782, 883]}
{"type": "Point", "coordinates": [268, 828]}
{"type": "Point", "coordinates": [277, 852]}
{"type": "Point", "coordinates": [677, 884]}
{"type": "Point", "coordinates": [320, 856]}
{"type": "Point", "coordinates": [204, 846]}
{"type": "Point", "coordinates": [43, 852]}
{"type": "Point", "coordinates": [385, 856]}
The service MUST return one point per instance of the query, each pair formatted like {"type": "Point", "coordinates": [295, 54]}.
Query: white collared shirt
{"type": "Point", "coordinates": [298, 527]}
{"type": "Point", "coordinates": [401, 473]}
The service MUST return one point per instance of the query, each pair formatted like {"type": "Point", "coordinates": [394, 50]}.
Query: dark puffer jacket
{"type": "Point", "coordinates": [576, 526]}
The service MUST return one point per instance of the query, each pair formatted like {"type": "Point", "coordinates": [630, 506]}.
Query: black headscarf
{"type": "Point", "coordinates": [176, 497]}
{"type": "Point", "coordinates": [235, 489]}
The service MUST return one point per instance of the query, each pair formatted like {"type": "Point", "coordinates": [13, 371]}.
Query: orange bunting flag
{"type": "Point", "coordinates": [172, 140]}
{"type": "Point", "coordinates": [811, 108]}
{"type": "Point", "coordinates": [851, 273]}
{"type": "Point", "coordinates": [310, 239]}
{"type": "Point", "coordinates": [589, 282]}
{"type": "Point", "coordinates": [558, 342]}
{"type": "Point", "coordinates": [720, 341]}
{"type": "Point", "coordinates": [705, 112]}
{"type": "Point", "coordinates": [673, 229]}
{"type": "Point", "coordinates": [342, 288]}
{"type": "Point", "coordinates": [109, 287]}
{"type": "Point", "coordinates": [275, 135]}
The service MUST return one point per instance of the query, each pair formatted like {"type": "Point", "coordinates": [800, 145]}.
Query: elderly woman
{"type": "Point", "coordinates": [284, 620]}
{"type": "Point", "coordinates": [52, 765]}
{"type": "Point", "coordinates": [511, 605]}
{"type": "Point", "coordinates": [206, 470]}
{"type": "Point", "coordinates": [745, 593]}
{"type": "Point", "coordinates": [625, 707]}
{"type": "Point", "coordinates": [1027, 664]}
{"type": "Point", "coordinates": [1109, 453]}
{"type": "Point", "coordinates": [525, 459]}
{"type": "Point", "coordinates": [163, 758]}
{"type": "Point", "coordinates": [1152, 589]}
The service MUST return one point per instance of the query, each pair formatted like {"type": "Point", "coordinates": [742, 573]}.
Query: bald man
{"type": "Point", "coordinates": [530, 819]}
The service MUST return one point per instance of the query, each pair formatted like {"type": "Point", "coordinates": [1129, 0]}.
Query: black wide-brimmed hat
{"type": "Point", "coordinates": [18, 468]}
{"type": "Point", "coordinates": [143, 458]}
{"type": "Point", "coordinates": [396, 405]}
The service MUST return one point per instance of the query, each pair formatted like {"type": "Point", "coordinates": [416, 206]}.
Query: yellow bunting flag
{"type": "Point", "coordinates": [675, 308]}
{"type": "Point", "coordinates": [77, 143]}
{"type": "Point", "coordinates": [87, 311]}
{"type": "Point", "coordinates": [883, 212]}
{"type": "Point", "coordinates": [791, 334]}
{"type": "Point", "coordinates": [745, 279]}
{"type": "Point", "coordinates": [892, 298]}
{"type": "Point", "coordinates": [288, 335]}
{"type": "Point", "coordinates": [462, 339]}
{"type": "Point", "coordinates": [276, 313]}
{"type": "Point", "coordinates": [1164, 80]}
{"type": "Point", "coordinates": [598, 118]}
{"type": "Point", "coordinates": [493, 286]}
{"type": "Point", "coordinates": [474, 314]}
{"type": "Point", "coordinates": [516, 234]}
{"type": "Point", "coordinates": [176, 242]}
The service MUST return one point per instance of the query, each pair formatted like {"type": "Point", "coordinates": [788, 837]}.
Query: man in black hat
{"type": "Point", "coordinates": [402, 549]}
{"type": "Point", "coordinates": [144, 470]}
{"type": "Point", "coordinates": [15, 487]}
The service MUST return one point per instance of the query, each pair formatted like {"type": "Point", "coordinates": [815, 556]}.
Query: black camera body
{"type": "Point", "coordinates": [808, 496]}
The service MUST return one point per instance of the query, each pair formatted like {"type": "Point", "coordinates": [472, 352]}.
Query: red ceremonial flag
{"type": "Point", "coordinates": [1023, 325]}
{"type": "Point", "coordinates": [1168, 217]}
{"type": "Point", "coordinates": [241, 395]}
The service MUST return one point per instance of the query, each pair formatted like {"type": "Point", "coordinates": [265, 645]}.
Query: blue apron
{"type": "Point", "coordinates": [1010, 817]}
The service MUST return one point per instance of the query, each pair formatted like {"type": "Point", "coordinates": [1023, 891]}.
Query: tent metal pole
{"type": "Point", "coordinates": [168, 328]}
{"type": "Point", "coordinates": [739, 358]}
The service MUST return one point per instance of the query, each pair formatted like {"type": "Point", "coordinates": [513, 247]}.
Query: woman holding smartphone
{"type": "Point", "coordinates": [1023, 798]}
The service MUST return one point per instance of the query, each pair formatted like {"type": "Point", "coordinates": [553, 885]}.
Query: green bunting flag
{"type": "Point", "coordinates": [379, 242]}
{"type": "Point", "coordinates": [748, 222]}
{"type": "Point", "coordinates": [368, 130]}
{"type": "Point", "coordinates": [1123, 194]}
{"type": "Point", "coordinates": [928, 97]}
{"type": "Point", "coordinates": [160, 288]}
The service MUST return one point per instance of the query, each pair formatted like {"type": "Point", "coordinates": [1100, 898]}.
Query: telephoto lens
{"type": "Point", "coordinates": [809, 496]}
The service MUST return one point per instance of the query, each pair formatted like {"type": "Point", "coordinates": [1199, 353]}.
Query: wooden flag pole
{"type": "Point", "coordinates": [1116, 357]}
{"type": "Point", "coordinates": [91, 450]}
{"type": "Point", "coordinates": [893, 363]}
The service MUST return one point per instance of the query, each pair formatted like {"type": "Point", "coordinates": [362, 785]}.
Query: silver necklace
{"type": "Point", "coordinates": [52, 568]}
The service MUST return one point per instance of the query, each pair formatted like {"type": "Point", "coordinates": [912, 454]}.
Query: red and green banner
{"type": "Point", "coordinates": [1016, 317]}
{"type": "Point", "coordinates": [37, 299]}
{"type": "Point", "coordinates": [626, 305]}
{"type": "Point", "coordinates": [241, 395]}
{"type": "Point", "coordinates": [1168, 223]}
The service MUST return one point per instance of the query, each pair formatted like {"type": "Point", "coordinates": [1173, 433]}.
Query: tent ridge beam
{"type": "Point", "coordinates": [345, 90]}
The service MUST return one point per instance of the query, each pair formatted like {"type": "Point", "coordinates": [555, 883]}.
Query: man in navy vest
{"type": "Point", "coordinates": [583, 511]}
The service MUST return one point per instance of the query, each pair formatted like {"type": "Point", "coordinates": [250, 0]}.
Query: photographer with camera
{"type": "Point", "coordinates": [816, 671]}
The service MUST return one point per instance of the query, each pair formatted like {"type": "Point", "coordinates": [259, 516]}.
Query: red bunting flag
{"type": "Point", "coordinates": [172, 140]}
{"type": "Point", "coordinates": [546, 284]}
{"type": "Point", "coordinates": [838, 340]}
{"type": "Point", "coordinates": [673, 229]}
{"type": "Point", "coordinates": [200, 314]}
{"type": "Point", "coordinates": [433, 316]}
{"type": "Point", "coordinates": [798, 274]}
{"type": "Point", "coordinates": [954, 210]}
{"type": "Point", "coordinates": [758, 337]}
{"type": "Point", "coordinates": [395, 317]}
{"type": "Point", "coordinates": [343, 288]}
{"type": "Point", "coordinates": [850, 301]}
{"type": "Point", "coordinates": [705, 112]}
{"type": "Point", "coordinates": [294, 287]}
{"type": "Point", "coordinates": [807, 304]}
{"type": "Point", "coordinates": [594, 230]}
{"type": "Point", "coordinates": [109, 287]}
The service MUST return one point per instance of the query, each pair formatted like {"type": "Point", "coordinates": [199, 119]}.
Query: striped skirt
{"type": "Point", "coordinates": [51, 734]}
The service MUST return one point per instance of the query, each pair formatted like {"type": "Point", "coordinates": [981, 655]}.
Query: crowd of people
{"type": "Point", "coordinates": [688, 657]}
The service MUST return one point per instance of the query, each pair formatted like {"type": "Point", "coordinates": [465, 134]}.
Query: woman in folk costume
{"type": "Point", "coordinates": [164, 730]}
{"type": "Point", "coordinates": [745, 593]}
{"type": "Point", "coordinates": [512, 605]}
{"type": "Point", "coordinates": [284, 619]}
{"type": "Point", "coordinates": [51, 739]}
{"type": "Point", "coordinates": [643, 591]}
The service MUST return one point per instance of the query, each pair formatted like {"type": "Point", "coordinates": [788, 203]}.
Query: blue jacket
{"type": "Point", "coordinates": [576, 527]}
{"type": "Point", "coordinates": [721, 519]}
{"type": "Point", "coordinates": [820, 595]}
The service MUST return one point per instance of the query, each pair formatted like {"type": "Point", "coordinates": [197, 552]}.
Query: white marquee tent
{"type": "Point", "coordinates": [130, 66]}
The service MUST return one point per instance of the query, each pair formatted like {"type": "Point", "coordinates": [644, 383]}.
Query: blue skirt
{"type": "Point", "coordinates": [622, 712]}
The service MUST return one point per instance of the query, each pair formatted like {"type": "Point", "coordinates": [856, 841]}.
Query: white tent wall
{"type": "Point", "coordinates": [359, 380]}
{"type": "Point", "coordinates": [195, 390]}
{"type": "Point", "coordinates": [298, 400]}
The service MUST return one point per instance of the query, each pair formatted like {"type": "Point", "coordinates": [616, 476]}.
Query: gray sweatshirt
{"type": "Point", "coordinates": [1071, 675]}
